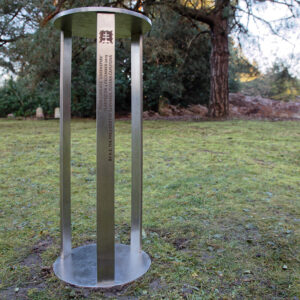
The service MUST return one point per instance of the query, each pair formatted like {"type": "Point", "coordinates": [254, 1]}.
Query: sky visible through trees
{"type": "Point", "coordinates": [266, 48]}
{"type": "Point", "coordinates": [194, 41]}
{"type": "Point", "coordinates": [261, 46]}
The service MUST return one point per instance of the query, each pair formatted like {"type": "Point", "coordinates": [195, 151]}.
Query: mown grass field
{"type": "Point", "coordinates": [221, 208]}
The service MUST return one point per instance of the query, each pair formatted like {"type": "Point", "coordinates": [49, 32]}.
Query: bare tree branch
{"type": "Point", "coordinates": [54, 13]}
{"type": "Point", "coordinates": [255, 18]}
{"type": "Point", "coordinates": [197, 15]}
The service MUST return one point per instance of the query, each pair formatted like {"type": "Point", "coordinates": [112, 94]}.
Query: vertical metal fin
{"type": "Point", "coordinates": [137, 140]}
{"type": "Point", "coordinates": [65, 142]}
{"type": "Point", "coordinates": [105, 146]}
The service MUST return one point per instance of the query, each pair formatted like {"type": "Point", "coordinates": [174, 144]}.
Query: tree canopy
{"type": "Point", "coordinates": [189, 41]}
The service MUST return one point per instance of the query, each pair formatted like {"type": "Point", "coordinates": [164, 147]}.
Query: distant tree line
{"type": "Point", "coordinates": [277, 83]}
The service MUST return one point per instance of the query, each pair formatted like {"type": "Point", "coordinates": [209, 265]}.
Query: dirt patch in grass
{"type": "Point", "coordinates": [220, 214]}
{"type": "Point", "coordinates": [180, 243]}
{"type": "Point", "coordinates": [22, 292]}
{"type": "Point", "coordinates": [38, 274]}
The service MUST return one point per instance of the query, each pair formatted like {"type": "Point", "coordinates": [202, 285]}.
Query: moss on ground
{"type": "Point", "coordinates": [221, 208]}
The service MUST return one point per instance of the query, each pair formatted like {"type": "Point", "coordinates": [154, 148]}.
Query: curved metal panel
{"type": "Point", "coordinates": [82, 22]}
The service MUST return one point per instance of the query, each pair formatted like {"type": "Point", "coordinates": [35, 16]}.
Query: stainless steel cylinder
{"type": "Point", "coordinates": [104, 264]}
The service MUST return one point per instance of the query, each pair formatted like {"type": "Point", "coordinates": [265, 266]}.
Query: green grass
{"type": "Point", "coordinates": [221, 208]}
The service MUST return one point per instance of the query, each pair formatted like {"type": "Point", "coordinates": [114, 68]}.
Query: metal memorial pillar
{"type": "Point", "coordinates": [65, 142]}
{"type": "Point", "coordinates": [104, 264]}
{"type": "Point", "coordinates": [137, 140]}
{"type": "Point", "coordinates": [105, 145]}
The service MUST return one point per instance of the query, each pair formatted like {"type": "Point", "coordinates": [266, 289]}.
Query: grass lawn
{"type": "Point", "coordinates": [221, 208]}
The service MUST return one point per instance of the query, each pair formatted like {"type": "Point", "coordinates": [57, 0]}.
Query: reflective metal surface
{"type": "Point", "coordinates": [104, 264]}
{"type": "Point", "coordinates": [137, 140]}
{"type": "Point", "coordinates": [82, 21]}
{"type": "Point", "coordinates": [80, 268]}
{"type": "Point", "coordinates": [105, 145]}
{"type": "Point", "coordinates": [65, 142]}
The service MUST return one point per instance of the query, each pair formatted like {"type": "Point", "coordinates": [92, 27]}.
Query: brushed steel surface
{"type": "Point", "coordinates": [103, 264]}
{"type": "Point", "coordinates": [80, 268]}
{"type": "Point", "coordinates": [65, 143]}
{"type": "Point", "coordinates": [105, 145]}
{"type": "Point", "coordinates": [82, 21]}
{"type": "Point", "coordinates": [136, 140]}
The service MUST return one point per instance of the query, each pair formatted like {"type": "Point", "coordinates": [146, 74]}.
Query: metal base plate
{"type": "Point", "coordinates": [80, 267]}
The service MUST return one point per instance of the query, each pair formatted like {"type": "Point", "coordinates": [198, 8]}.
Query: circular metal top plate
{"type": "Point", "coordinates": [82, 21]}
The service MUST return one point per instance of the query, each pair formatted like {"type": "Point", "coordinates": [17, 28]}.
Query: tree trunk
{"type": "Point", "coordinates": [219, 92]}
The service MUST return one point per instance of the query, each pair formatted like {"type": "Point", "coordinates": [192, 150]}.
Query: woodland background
{"type": "Point", "coordinates": [176, 64]}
